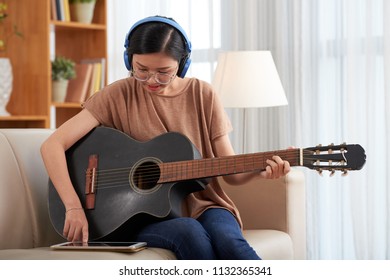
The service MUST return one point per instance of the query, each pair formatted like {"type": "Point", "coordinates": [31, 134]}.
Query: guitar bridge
{"type": "Point", "coordinates": [90, 182]}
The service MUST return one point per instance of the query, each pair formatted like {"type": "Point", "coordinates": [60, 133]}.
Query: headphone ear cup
{"type": "Point", "coordinates": [184, 65]}
{"type": "Point", "coordinates": [127, 60]}
{"type": "Point", "coordinates": [125, 53]}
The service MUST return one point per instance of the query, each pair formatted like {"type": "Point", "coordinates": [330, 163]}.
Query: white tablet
{"type": "Point", "coordinates": [101, 246]}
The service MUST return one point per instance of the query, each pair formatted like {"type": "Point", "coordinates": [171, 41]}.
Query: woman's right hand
{"type": "Point", "coordinates": [76, 225]}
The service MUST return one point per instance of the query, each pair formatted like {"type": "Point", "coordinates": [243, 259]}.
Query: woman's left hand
{"type": "Point", "coordinates": [276, 168]}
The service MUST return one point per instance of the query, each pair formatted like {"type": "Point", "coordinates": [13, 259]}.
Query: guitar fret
{"type": "Point", "coordinates": [182, 172]}
{"type": "Point", "coordinates": [188, 169]}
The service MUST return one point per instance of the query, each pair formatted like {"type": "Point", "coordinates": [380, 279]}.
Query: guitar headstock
{"type": "Point", "coordinates": [334, 158]}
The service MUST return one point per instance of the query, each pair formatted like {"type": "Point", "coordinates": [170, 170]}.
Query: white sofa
{"type": "Point", "coordinates": [273, 211]}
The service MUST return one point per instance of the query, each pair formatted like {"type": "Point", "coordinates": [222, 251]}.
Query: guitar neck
{"type": "Point", "coordinates": [213, 167]}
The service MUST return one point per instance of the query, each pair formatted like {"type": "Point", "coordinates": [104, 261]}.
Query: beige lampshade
{"type": "Point", "coordinates": [248, 79]}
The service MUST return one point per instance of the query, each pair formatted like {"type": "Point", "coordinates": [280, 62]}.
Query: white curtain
{"type": "Point", "coordinates": [333, 57]}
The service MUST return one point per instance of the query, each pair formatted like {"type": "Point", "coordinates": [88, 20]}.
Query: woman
{"type": "Point", "coordinates": [156, 99]}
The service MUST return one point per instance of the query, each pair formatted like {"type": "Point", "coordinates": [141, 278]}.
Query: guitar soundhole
{"type": "Point", "coordinates": [145, 176]}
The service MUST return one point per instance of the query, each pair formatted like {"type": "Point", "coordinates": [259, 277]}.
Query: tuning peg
{"type": "Point", "coordinates": [330, 151]}
{"type": "Point", "coordinates": [320, 172]}
{"type": "Point", "coordinates": [345, 173]}
{"type": "Point", "coordinates": [332, 171]}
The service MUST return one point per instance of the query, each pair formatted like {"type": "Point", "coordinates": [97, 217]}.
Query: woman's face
{"type": "Point", "coordinates": [158, 69]}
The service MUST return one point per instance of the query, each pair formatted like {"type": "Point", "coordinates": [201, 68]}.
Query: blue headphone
{"type": "Point", "coordinates": [184, 64]}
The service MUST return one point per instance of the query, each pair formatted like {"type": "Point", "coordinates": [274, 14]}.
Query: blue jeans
{"type": "Point", "coordinates": [216, 234]}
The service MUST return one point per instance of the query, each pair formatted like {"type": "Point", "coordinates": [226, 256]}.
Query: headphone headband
{"type": "Point", "coordinates": [186, 61]}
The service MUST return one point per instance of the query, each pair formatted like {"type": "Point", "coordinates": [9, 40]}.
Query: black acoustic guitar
{"type": "Point", "coordinates": [123, 183]}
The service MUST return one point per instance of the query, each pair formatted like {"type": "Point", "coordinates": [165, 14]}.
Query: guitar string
{"type": "Point", "coordinates": [108, 177]}
{"type": "Point", "coordinates": [105, 177]}
{"type": "Point", "coordinates": [126, 182]}
{"type": "Point", "coordinates": [237, 160]}
{"type": "Point", "coordinates": [118, 182]}
{"type": "Point", "coordinates": [192, 164]}
{"type": "Point", "coordinates": [153, 173]}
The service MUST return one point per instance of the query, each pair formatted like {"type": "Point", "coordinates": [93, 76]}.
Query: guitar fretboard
{"type": "Point", "coordinates": [213, 167]}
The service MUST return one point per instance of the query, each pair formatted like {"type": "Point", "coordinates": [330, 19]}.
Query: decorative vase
{"type": "Point", "coordinates": [6, 78]}
{"type": "Point", "coordinates": [59, 89]}
{"type": "Point", "coordinates": [82, 12]}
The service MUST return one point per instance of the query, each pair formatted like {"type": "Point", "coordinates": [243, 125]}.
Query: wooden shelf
{"type": "Point", "coordinates": [75, 25]}
{"type": "Point", "coordinates": [30, 103]}
{"type": "Point", "coordinates": [23, 118]}
{"type": "Point", "coordinates": [61, 112]}
{"type": "Point", "coordinates": [28, 121]}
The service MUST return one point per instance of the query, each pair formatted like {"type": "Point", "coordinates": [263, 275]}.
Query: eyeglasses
{"type": "Point", "coordinates": [161, 78]}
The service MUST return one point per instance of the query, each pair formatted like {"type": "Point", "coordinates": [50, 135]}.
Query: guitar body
{"type": "Point", "coordinates": [123, 203]}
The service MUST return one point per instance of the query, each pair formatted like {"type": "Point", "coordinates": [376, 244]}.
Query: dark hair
{"type": "Point", "coordinates": [154, 37]}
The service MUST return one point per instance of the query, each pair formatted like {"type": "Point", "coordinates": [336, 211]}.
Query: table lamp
{"type": "Point", "coordinates": [248, 79]}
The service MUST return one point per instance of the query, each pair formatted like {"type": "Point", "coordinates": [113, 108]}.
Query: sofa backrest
{"type": "Point", "coordinates": [24, 219]}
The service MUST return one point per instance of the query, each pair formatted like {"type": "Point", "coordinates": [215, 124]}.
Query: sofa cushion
{"type": "Point", "coordinates": [269, 244]}
{"type": "Point", "coordinates": [30, 223]}
{"type": "Point", "coordinates": [45, 253]}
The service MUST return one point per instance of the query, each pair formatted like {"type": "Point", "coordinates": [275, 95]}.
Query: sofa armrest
{"type": "Point", "coordinates": [274, 204]}
{"type": "Point", "coordinates": [23, 190]}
